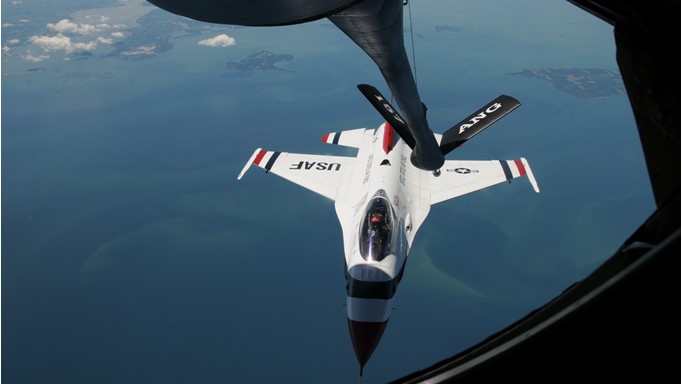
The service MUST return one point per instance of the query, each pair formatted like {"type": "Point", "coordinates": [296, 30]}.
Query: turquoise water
{"type": "Point", "coordinates": [131, 254]}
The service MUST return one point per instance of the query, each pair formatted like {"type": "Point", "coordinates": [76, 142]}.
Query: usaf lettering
{"type": "Point", "coordinates": [318, 165]}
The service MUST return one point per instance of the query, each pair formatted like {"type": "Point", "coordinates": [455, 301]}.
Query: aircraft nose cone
{"type": "Point", "coordinates": [365, 336]}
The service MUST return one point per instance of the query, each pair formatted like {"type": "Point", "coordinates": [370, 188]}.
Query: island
{"type": "Point", "coordinates": [260, 61]}
{"type": "Point", "coordinates": [155, 33]}
{"type": "Point", "coordinates": [25, 72]}
{"type": "Point", "coordinates": [580, 82]}
{"type": "Point", "coordinates": [447, 28]}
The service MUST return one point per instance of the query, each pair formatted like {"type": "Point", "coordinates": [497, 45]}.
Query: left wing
{"type": "Point", "coordinates": [318, 173]}
{"type": "Point", "coordinates": [458, 178]}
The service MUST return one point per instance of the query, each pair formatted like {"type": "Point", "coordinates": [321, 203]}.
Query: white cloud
{"type": "Point", "coordinates": [60, 42]}
{"type": "Point", "coordinates": [66, 26]}
{"type": "Point", "coordinates": [6, 49]}
{"type": "Point", "coordinates": [219, 41]}
{"type": "Point", "coordinates": [8, 24]}
{"type": "Point", "coordinates": [13, 41]}
{"type": "Point", "coordinates": [104, 40]}
{"type": "Point", "coordinates": [33, 58]}
{"type": "Point", "coordinates": [143, 50]}
{"type": "Point", "coordinates": [51, 43]}
{"type": "Point", "coordinates": [117, 34]}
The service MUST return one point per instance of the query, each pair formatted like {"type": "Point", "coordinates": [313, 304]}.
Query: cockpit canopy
{"type": "Point", "coordinates": [378, 229]}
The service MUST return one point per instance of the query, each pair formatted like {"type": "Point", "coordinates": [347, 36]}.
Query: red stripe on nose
{"type": "Point", "coordinates": [365, 336]}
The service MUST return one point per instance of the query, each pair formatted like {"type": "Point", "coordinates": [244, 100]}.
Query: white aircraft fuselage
{"type": "Point", "coordinates": [380, 207]}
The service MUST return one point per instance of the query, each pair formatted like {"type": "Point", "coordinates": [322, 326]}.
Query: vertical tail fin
{"type": "Point", "coordinates": [389, 139]}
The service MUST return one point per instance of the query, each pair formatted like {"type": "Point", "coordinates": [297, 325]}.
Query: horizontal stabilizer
{"type": "Point", "coordinates": [389, 113]}
{"type": "Point", "coordinates": [351, 138]}
{"type": "Point", "coordinates": [476, 122]}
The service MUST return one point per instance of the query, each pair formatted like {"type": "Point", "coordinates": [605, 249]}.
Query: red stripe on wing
{"type": "Point", "coordinates": [521, 168]}
{"type": "Point", "coordinates": [260, 156]}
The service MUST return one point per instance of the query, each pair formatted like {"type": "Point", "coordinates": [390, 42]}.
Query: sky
{"type": "Point", "coordinates": [130, 253]}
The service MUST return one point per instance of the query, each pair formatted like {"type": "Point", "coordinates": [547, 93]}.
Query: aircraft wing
{"type": "Point", "coordinates": [318, 173]}
{"type": "Point", "coordinates": [458, 178]}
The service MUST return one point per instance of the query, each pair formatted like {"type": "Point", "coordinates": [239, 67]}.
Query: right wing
{"type": "Point", "coordinates": [458, 178]}
{"type": "Point", "coordinates": [318, 173]}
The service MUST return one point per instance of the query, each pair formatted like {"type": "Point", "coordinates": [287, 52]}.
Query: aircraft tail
{"type": "Point", "coordinates": [477, 122]}
{"type": "Point", "coordinates": [453, 137]}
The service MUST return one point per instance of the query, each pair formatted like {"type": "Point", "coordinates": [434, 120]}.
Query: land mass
{"type": "Point", "coordinates": [580, 82]}
{"type": "Point", "coordinates": [25, 72]}
{"type": "Point", "coordinates": [260, 61]}
{"type": "Point", "coordinates": [447, 28]}
{"type": "Point", "coordinates": [153, 36]}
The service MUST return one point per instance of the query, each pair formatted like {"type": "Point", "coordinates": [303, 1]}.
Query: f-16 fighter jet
{"type": "Point", "coordinates": [381, 200]}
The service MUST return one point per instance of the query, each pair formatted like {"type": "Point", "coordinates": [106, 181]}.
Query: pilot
{"type": "Point", "coordinates": [376, 224]}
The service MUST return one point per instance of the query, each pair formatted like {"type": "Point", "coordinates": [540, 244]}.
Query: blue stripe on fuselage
{"type": "Point", "coordinates": [373, 289]}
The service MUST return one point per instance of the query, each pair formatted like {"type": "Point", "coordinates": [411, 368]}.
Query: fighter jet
{"type": "Point", "coordinates": [381, 200]}
{"type": "Point", "coordinates": [376, 26]}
